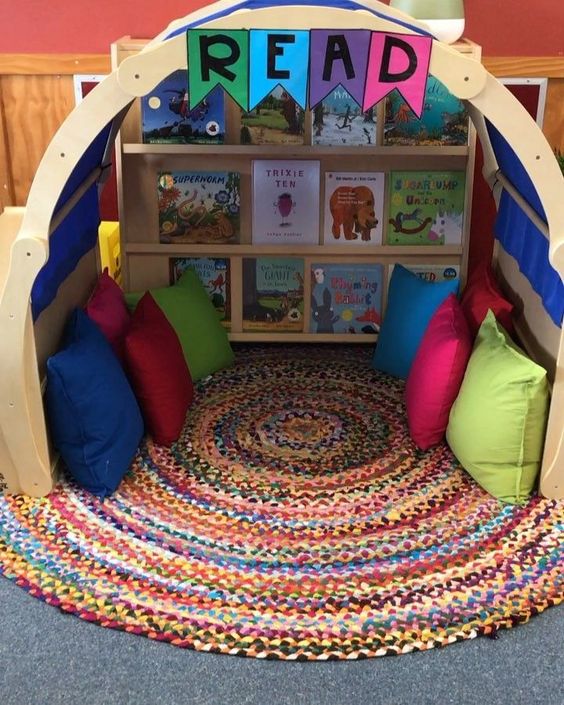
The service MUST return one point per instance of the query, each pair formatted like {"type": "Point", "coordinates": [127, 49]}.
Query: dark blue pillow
{"type": "Point", "coordinates": [412, 301]}
{"type": "Point", "coordinates": [95, 421]}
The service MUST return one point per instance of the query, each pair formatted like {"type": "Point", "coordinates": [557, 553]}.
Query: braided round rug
{"type": "Point", "coordinates": [294, 519]}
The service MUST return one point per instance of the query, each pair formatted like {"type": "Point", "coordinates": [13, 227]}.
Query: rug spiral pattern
{"type": "Point", "coordinates": [294, 519]}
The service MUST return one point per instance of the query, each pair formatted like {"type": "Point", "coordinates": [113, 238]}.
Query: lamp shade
{"type": "Point", "coordinates": [444, 18]}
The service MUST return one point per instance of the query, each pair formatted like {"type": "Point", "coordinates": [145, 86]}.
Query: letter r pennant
{"type": "Point", "coordinates": [218, 58]}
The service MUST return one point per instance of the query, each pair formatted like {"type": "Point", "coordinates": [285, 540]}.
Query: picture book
{"type": "Point", "coordinates": [167, 119]}
{"type": "Point", "coordinates": [354, 208]}
{"type": "Point", "coordinates": [273, 294]}
{"type": "Point", "coordinates": [444, 120]}
{"type": "Point", "coordinates": [198, 206]}
{"type": "Point", "coordinates": [277, 119]}
{"type": "Point", "coordinates": [285, 202]}
{"type": "Point", "coordinates": [346, 298]}
{"type": "Point", "coordinates": [434, 272]}
{"type": "Point", "coordinates": [338, 119]}
{"type": "Point", "coordinates": [426, 208]}
{"type": "Point", "coordinates": [215, 275]}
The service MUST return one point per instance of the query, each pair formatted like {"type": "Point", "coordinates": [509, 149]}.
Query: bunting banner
{"type": "Point", "coordinates": [218, 59]}
{"type": "Point", "coordinates": [398, 61]}
{"type": "Point", "coordinates": [338, 58]}
{"type": "Point", "coordinates": [278, 59]}
{"type": "Point", "coordinates": [250, 64]}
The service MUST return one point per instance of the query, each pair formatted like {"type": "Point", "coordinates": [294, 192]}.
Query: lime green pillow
{"type": "Point", "coordinates": [497, 423]}
{"type": "Point", "coordinates": [188, 309]}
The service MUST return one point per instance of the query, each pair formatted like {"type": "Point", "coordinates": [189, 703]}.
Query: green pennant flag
{"type": "Point", "coordinates": [218, 57]}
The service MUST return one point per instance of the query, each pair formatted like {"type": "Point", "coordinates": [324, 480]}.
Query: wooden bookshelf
{"type": "Point", "coordinates": [146, 261]}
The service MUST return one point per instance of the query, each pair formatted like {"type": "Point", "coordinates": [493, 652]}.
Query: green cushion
{"type": "Point", "coordinates": [190, 312]}
{"type": "Point", "coordinates": [497, 423]}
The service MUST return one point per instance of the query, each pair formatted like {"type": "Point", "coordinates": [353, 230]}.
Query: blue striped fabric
{"type": "Point", "coordinates": [78, 232]}
{"type": "Point", "coordinates": [512, 168]}
{"type": "Point", "coordinates": [525, 242]}
{"type": "Point", "coordinates": [76, 235]}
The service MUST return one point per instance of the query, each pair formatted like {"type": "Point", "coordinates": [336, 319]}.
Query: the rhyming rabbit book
{"type": "Point", "coordinates": [346, 298]}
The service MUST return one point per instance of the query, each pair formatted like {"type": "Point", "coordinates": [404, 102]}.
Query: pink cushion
{"type": "Point", "coordinates": [106, 307]}
{"type": "Point", "coordinates": [481, 294]}
{"type": "Point", "coordinates": [158, 371]}
{"type": "Point", "coordinates": [436, 374]}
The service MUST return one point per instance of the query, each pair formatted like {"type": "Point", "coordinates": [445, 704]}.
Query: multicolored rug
{"type": "Point", "coordinates": [293, 520]}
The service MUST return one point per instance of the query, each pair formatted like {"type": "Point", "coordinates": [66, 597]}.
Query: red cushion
{"type": "Point", "coordinates": [106, 307]}
{"type": "Point", "coordinates": [437, 373]}
{"type": "Point", "coordinates": [482, 293]}
{"type": "Point", "coordinates": [158, 371]}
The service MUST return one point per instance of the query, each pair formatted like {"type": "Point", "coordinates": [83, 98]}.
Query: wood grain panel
{"type": "Point", "coordinates": [553, 126]}
{"type": "Point", "coordinates": [50, 64]}
{"type": "Point", "coordinates": [539, 66]}
{"type": "Point", "coordinates": [7, 197]}
{"type": "Point", "coordinates": [35, 107]}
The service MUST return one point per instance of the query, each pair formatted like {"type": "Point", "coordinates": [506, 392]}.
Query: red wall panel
{"type": "Point", "coordinates": [502, 27]}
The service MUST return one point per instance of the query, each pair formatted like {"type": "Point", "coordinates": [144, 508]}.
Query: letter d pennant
{"type": "Point", "coordinates": [398, 61]}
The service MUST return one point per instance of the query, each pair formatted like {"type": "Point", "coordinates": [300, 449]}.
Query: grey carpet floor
{"type": "Point", "coordinates": [47, 657]}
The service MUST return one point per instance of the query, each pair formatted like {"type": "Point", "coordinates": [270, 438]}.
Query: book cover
{"type": "Point", "coordinates": [198, 206]}
{"type": "Point", "coordinates": [434, 272]}
{"type": "Point", "coordinates": [346, 298]}
{"type": "Point", "coordinates": [277, 119]}
{"type": "Point", "coordinates": [426, 208]}
{"type": "Point", "coordinates": [285, 202]}
{"type": "Point", "coordinates": [339, 120]}
{"type": "Point", "coordinates": [354, 208]}
{"type": "Point", "coordinates": [215, 275]}
{"type": "Point", "coordinates": [273, 294]}
{"type": "Point", "coordinates": [444, 120]}
{"type": "Point", "coordinates": [167, 119]}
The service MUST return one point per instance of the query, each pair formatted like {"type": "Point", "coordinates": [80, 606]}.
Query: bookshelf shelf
{"type": "Point", "coordinates": [293, 152]}
{"type": "Point", "coordinates": [315, 251]}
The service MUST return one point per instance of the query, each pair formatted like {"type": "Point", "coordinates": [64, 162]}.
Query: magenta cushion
{"type": "Point", "coordinates": [106, 307]}
{"type": "Point", "coordinates": [481, 294]}
{"type": "Point", "coordinates": [436, 374]}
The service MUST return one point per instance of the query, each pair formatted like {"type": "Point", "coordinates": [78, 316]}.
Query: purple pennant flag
{"type": "Point", "coordinates": [338, 57]}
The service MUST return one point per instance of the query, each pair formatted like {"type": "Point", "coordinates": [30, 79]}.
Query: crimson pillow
{"type": "Point", "coordinates": [437, 373]}
{"type": "Point", "coordinates": [106, 307]}
{"type": "Point", "coordinates": [158, 371]}
{"type": "Point", "coordinates": [481, 294]}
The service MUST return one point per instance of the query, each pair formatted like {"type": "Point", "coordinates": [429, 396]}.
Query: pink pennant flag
{"type": "Point", "coordinates": [398, 61]}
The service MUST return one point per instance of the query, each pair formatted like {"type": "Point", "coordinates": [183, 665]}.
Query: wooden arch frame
{"type": "Point", "coordinates": [25, 458]}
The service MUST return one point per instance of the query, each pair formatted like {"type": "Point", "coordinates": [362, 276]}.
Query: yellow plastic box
{"type": "Point", "coordinates": [108, 238]}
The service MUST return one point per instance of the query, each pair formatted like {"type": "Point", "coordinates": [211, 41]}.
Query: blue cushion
{"type": "Point", "coordinates": [412, 301]}
{"type": "Point", "coordinates": [95, 421]}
